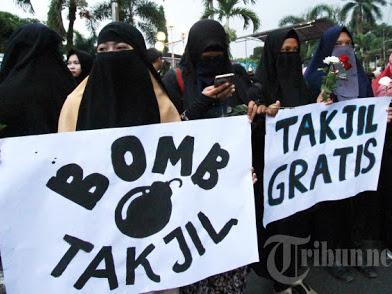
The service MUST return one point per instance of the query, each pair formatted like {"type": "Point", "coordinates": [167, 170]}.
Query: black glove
{"type": "Point", "coordinates": [200, 106]}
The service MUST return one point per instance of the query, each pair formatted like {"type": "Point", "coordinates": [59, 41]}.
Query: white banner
{"type": "Point", "coordinates": [321, 152]}
{"type": "Point", "coordinates": [126, 210]}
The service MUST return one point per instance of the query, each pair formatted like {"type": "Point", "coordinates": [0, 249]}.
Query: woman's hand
{"type": "Point", "coordinates": [254, 176]}
{"type": "Point", "coordinates": [272, 109]}
{"type": "Point", "coordinates": [389, 118]}
{"type": "Point", "coordinates": [222, 92]}
{"type": "Point", "coordinates": [254, 109]}
{"type": "Point", "coordinates": [320, 98]}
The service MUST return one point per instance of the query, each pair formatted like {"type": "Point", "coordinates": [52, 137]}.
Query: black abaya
{"type": "Point", "coordinates": [281, 79]}
{"type": "Point", "coordinates": [34, 82]}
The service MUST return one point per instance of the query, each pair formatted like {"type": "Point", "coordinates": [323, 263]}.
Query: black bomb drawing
{"type": "Point", "coordinates": [147, 209]}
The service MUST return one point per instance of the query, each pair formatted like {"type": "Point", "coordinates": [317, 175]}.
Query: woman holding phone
{"type": "Point", "coordinates": [192, 90]}
{"type": "Point", "coordinates": [191, 86]}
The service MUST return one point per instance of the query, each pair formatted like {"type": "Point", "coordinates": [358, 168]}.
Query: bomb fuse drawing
{"type": "Point", "coordinates": [147, 209]}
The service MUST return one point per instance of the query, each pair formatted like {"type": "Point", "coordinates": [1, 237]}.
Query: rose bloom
{"type": "Point", "coordinates": [331, 59]}
{"type": "Point", "coordinates": [385, 81]}
{"type": "Point", "coordinates": [347, 65]}
{"type": "Point", "coordinates": [344, 58]}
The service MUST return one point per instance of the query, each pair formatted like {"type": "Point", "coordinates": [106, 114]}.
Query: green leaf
{"type": "Point", "coordinates": [239, 110]}
{"type": "Point", "coordinates": [2, 126]}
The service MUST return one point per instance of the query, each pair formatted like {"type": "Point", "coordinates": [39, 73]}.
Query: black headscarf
{"type": "Point", "coordinates": [327, 43]}
{"type": "Point", "coordinates": [34, 82]}
{"type": "Point", "coordinates": [205, 35]}
{"type": "Point", "coordinates": [86, 63]}
{"type": "Point", "coordinates": [281, 72]}
{"type": "Point", "coordinates": [119, 91]}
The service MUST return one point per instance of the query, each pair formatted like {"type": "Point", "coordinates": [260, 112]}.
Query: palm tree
{"type": "Point", "coordinates": [227, 10]}
{"type": "Point", "coordinates": [316, 12]}
{"type": "Point", "coordinates": [322, 10]}
{"type": "Point", "coordinates": [145, 14]}
{"type": "Point", "coordinates": [337, 17]}
{"type": "Point", "coordinates": [55, 20]}
{"type": "Point", "coordinates": [25, 5]}
{"type": "Point", "coordinates": [362, 10]}
{"type": "Point", "coordinates": [367, 47]}
{"type": "Point", "coordinates": [209, 4]}
{"type": "Point", "coordinates": [85, 44]}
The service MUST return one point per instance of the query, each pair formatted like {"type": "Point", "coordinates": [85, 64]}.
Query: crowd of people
{"type": "Point", "coordinates": [121, 87]}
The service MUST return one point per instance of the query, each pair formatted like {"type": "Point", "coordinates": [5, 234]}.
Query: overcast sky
{"type": "Point", "coordinates": [184, 13]}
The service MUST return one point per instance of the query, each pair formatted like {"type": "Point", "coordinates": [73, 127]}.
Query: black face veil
{"type": "Point", "coordinates": [119, 91]}
{"type": "Point", "coordinates": [205, 35]}
{"type": "Point", "coordinates": [281, 72]}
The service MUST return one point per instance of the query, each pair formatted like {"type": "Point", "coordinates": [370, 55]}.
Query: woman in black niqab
{"type": "Point", "coordinates": [122, 90]}
{"type": "Point", "coordinates": [206, 55]}
{"type": "Point", "coordinates": [34, 82]}
{"type": "Point", "coordinates": [282, 84]}
{"type": "Point", "coordinates": [205, 35]}
{"type": "Point", "coordinates": [198, 70]}
{"type": "Point", "coordinates": [119, 75]}
{"type": "Point", "coordinates": [85, 61]}
{"type": "Point", "coordinates": [281, 72]}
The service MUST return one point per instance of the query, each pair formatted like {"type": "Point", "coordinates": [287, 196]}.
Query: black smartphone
{"type": "Point", "coordinates": [222, 79]}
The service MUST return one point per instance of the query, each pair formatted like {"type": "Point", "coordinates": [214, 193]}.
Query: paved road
{"type": "Point", "coordinates": [324, 283]}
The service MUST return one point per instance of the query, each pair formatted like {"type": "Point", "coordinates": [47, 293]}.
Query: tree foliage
{"type": "Point", "coordinates": [86, 44]}
{"type": "Point", "coordinates": [210, 3]}
{"type": "Point", "coordinates": [55, 18]}
{"type": "Point", "coordinates": [362, 11]}
{"type": "Point", "coordinates": [257, 52]}
{"type": "Point", "coordinates": [25, 5]}
{"type": "Point", "coordinates": [144, 14]}
{"type": "Point", "coordinates": [227, 9]}
{"type": "Point", "coordinates": [318, 11]}
{"type": "Point", "coordinates": [8, 24]}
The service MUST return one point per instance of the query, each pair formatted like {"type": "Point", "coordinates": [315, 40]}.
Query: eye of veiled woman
{"type": "Point", "coordinates": [123, 46]}
{"type": "Point", "coordinates": [102, 49]}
